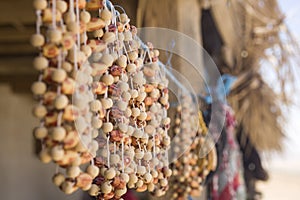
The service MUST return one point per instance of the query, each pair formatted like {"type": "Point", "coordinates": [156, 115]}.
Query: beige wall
{"type": "Point", "coordinates": [22, 175]}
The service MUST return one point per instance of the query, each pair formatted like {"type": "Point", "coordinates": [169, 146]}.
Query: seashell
{"type": "Point", "coordinates": [50, 50]}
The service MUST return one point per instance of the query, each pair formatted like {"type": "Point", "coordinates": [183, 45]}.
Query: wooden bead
{"type": "Point", "coordinates": [96, 122]}
{"type": "Point", "coordinates": [131, 68]}
{"type": "Point", "coordinates": [59, 75]}
{"type": "Point", "coordinates": [125, 177]}
{"type": "Point", "coordinates": [107, 103]}
{"type": "Point", "coordinates": [58, 179]}
{"type": "Point", "coordinates": [38, 88]}
{"type": "Point", "coordinates": [150, 187]}
{"type": "Point", "coordinates": [122, 61]}
{"type": "Point", "coordinates": [147, 177]}
{"type": "Point", "coordinates": [123, 127]}
{"type": "Point", "coordinates": [73, 171]}
{"type": "Point", "coordinates": [126, 96]}
{"type": "Point", "coordinates": [107, 59]}
{"type": "Point", "coordinates": [107, 127]}
{"type": "Point", "coordinates": [95, 106]}
{"type": "Point", "coordinates": [107, 79]}
{"type": "Point", "coordinates": [133, 55]}
{"type": "Point", "coordinates": [142, 116]}
{"type": "Point", "coordinates": [40, 4]}
{"type": "Point", "coordinates": [40, 132]}
{"type": "Point", "coordinates": [120, 192]}
{"type": "Point", "coordinates": [147, 156]}
{"type": "Point", "coordinates": [69, 17]}
{"type": "Point", "coordinates": [37, 40]}
{"type": "Point", "coordinates": [94, 190]}
{"type": "Point", "coordinates": [123, 18]}
{"type": "Point", "coordinates": [114, 159]}
{"type": "Point", "coordinates": [40, 63]}
{"type": "Point", "coordinates": [110, 173]}
{"type": "Point", "coordinates": [55, 36]}
{"type": "Point", "coordinates": [39, 111]}
{"type": "Point", "coordinates": [93, 171]}
{"type": "Point", "coordinates": [141, 97]}
{"type": "Point", "coordinates": [58, 133]}
{"type": "Point", "coordinates": [61, 5]}
{"type": "Point", "coordinates": [106, 14]}
{"type": "Point", "coordinates": [139, 183]}
{"type": "Point", "coordinates": [85, 16]}
{"type": "Point", "coordinates": [61, 102]}
{"type": "Point", "coordinates": [98, 33]}
{"type": "Point", "coordinates": [68, 187]}
{"type": "Point", "coordinates": [57, 153]}
{"type": "Point", "coordinates": [73, 27]}
{"type": "Point", "coordinates": [44, 156]}
{"type": "Point", "coordinates": [109, 37]}
{"type": "Point", "coordinates": [87, 50]}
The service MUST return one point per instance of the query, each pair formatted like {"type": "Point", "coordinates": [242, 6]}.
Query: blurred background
{"type": "Point", "coordinates": [22, 174]}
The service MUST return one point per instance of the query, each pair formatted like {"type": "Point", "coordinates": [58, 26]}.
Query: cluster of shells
{"type": "Point", "coordinates": [102, 100]}
{"type": "Point", "coordinates": [192, 167]}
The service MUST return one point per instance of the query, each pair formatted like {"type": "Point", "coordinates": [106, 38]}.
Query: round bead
{"type": "Point", "coordinates": [93, 170]}
{"type": "Point", "coordinates": [62, 6]}
{"type": "Point", "coordinates": [122, 61]}
{"type": "Point", "coordinates": [98, 33]}
{"type": "Point", "coordinates": [107, 59]}
{"type": "Point", "coordinates": [107, 79]}
{"type": "Point", "coordinates": [58, 133]}
{"type": "Point", "coordinates": [40, 132]}
{"type": "Point", "coordinates": [59, 75]}
{"type": "Point", "coordinates": [58, 179]}
{"type": "Point", "coordinates": [40, 4]}
{"type": "Point", "coordinates": [106, 14]}
{"type": "Point", "coordinates": [38, 88]}
{"type": "Point", "coordinates": [55, 36]}
{"type": "Point", "coordinates": [85, 16]}
{"type": "Point", "coordinates": [57, 153]}
{"type": "Point", "coordinates": [94, 190]}
{"type": "Point", "coordinates": [95, 106]}
{"type": "Point", "coordinates": [110, 173]}
{"type": "Point", "coordinates": [40, 63]}
{"type": "Point", "coordinates": [44, 156]}
{"type": "Point", "coordinates": [61, 102]}
{"type": "Point", "coordinates": [39, 111]}
{"type": "Point", "coordinates": [107, 127]}
{"type": "Point", "coordinates": [37, 40]}
{"type": "Point", "coordinates": [73, 171]}
{"type": "Point", "coordinates": [109, 37]}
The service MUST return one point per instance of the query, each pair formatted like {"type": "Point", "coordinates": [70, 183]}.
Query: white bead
{"type": "Point", "coordinates": [38, 88]}
{"type": "Point", "coordinates": [58, 133]}
{"type": "Point", "coordinates": [40, 63]}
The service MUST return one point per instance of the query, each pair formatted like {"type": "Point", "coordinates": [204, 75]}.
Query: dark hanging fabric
{"type": "Point", "coordinates": [253, 169]}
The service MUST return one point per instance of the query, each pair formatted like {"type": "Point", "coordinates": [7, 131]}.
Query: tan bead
{"type": "Point", "coordinates": [120, 192]}
{"type": "Point", "coordinates": [123, 127]}
{"type": "Point", "coordinates": [61, 102]}
{"type": "Point", "coordinates": [94, 190]}
{"type": "Point", "coordinates": [73, 27]}
{"type": "Point", "coordinates": [62, 6]}
{"type": "Point", "coordinates": [141, 170]}
{"type": "Point", "coordinates": [127, 112]}
{"type": "Point", "coordinates": [122, 61]}
{"type": "Point", "coordinates": [87, 50]}
{"type": "Point", "coordinates": [133, 55]}
{"type": "Point", "coordinates": [95, 106]}
{"type": "Point", "coordinates": [135, 112]}
{"type": "Point", "coordinates": [98, 33]}
{"type": "Point", "coordinates": [109, 37]}
{"type": "Point", "coordinates": [57, 153]}
{"type": "Point", "coordinates": [107, 79]}
{"type": "Point", "coordinates": [114, 159]}
{"type": "Point", "coordinates": [106, 14]}
{"type": "Point", "coordinates": [151, 187]}
{"type": "Point", "coordinates": [58, 179]}
{"type": "Point", "coordinates": [96, 122]}
{"type": "Point", "coordinates": [40, 63]}
{"type": "Point", "coordinates": [134, 94]}
{"type": "Point", "coordinates": [107, 103]}
{"type": "Point", "coordinates": [126, 96]}
{"type": "Point", "coordinates": [122, 105]}
{"type": "Point", "coordinates": [85, 16]}
{"type": "Point", "coordinates": [55, 36]}
{"type": "Point", "coordinates": [163, 182]}
{"type": "Point", "coordinates": [37, 40]}
{"type": "Point", "coordinates": [38, 88]}
{"type": "Point", "coordinates": [40, 132]}
{"type": "Point", "coordinates": [58, 133]}
{"type": "Point", "coordinates": [107, 127]}
{"type": "Point", "coordinates": [39, 111]}
{"type": "Point", "coordinates": [73, 171]}
{"type": "Point", "coordinates": [127, 36]}
{"type": "Point", "coordinates": [147, 156]}
{"type": "Point", "coordinates": [141, 97]}
{"type": "Point", "coordinates": [142, 116]}
{"type": "Point", "coordinates": [93, 170]}
{"type": "Point", "coordinates": [68, 187]}
{"type": "Point", "coordinates": [44, 156]}
{"type": "Point", "coordinates": [110, 173]}
{"type": "Point", "coordinates": [131, 68]}
{"type": "Point", "coordinates": [139, 183]}
{"type": "Point", "coordinates": [40, 4]}
{"type": "Point", "coordinates": [107, 59]}
{"type": "Point", "coordinates": [68, 67]}
{"type": "Point", "coordinates": [59, 75]}
{"type": "Point", "coordinates": [125, 177]}
{"type": "Point", "coordinates": [123, 18]}
{"type": "Point", "coordinates": [147, 177]}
